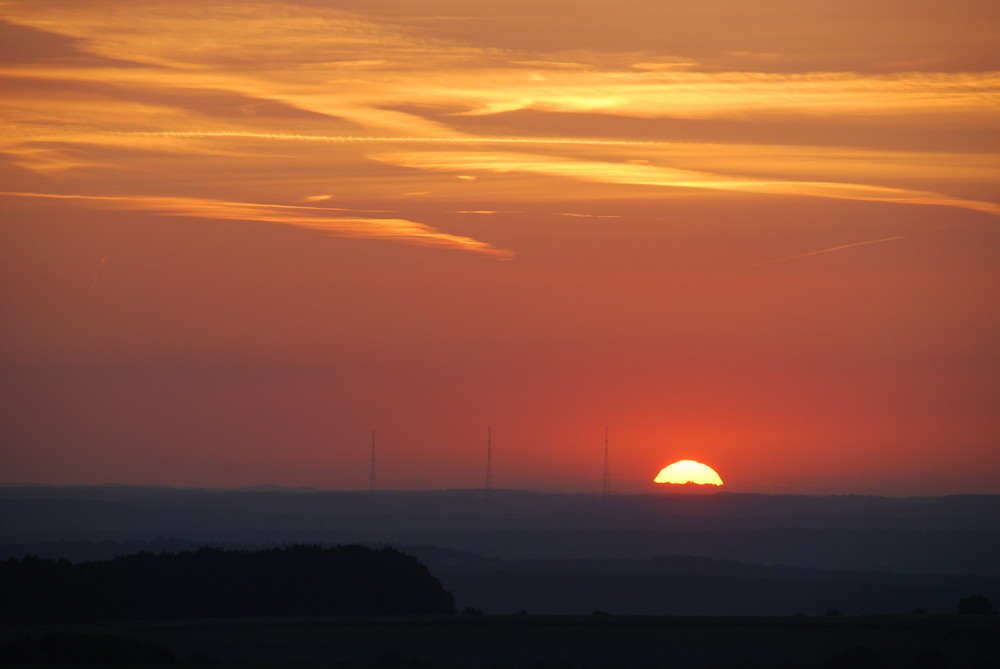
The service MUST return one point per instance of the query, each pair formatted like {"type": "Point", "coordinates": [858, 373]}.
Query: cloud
{"type": "Point", "coordinates": [230, 35]}
{"type": "Point", "coordinates": [572, 215]}
{"type": "Point", "coordinates": [720, 94]}
{"type": "Point", "coordinates": [343, 77]}
{"type": "Point", "coordinates": [313, 218]}
{"type": "Point", "coordinates": [407, 139]}
{"type": "Point", "coordinates": [651, 175]}
{"type": "Point", "coordinates": [729, 157]}
{"type": "Point", "coordinates": [310, 57]}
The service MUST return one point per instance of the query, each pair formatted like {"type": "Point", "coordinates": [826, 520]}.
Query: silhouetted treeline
{"type": "Point", "coordinates": [213, 582]}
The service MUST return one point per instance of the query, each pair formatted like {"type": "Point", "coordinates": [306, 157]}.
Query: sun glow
{"type": "Point", "coordinates": [688, 471]}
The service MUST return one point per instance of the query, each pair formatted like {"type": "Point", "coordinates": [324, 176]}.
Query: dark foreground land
{"type": "Point", "coordinates": [567, 642]}
{"type": "Point", "coordinates": [503, 551]}
{"type": "Point", "coordinates": [642, 581]}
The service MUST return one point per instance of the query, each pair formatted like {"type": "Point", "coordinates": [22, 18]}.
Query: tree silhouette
{"type": "Point", "coordinates": [212, 582]}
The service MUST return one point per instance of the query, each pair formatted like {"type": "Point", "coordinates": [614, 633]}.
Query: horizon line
{"type": "Point", "coordinates": [704, 490]}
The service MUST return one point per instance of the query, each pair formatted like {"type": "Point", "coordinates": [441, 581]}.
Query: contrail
{"type": "Point", "coordinates": [97, 275]}
{"type": "Point", "coordinates": [822, 251]}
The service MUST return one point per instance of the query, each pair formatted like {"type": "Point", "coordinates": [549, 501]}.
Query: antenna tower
{"type": "Point", "coordinates": [606, 487]}
{"type": "Point", "coordinates": [489, 459]}
{"type": "Point", "coordinates": [371, 478]}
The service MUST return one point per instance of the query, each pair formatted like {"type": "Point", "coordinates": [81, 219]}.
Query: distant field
{"type": "Point", "coordinates": [597, 641]}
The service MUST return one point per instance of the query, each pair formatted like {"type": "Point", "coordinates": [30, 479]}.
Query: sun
{"type": "Point", "coordinates": [688, 471]}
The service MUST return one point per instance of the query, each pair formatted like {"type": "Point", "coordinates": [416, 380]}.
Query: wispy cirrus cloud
{"type": "Point", "coordinates": [313, 218]}
{"type": "Point", "coordinates": [733, 94]}
{"type": "Point", "coordinates": [751, 159]}
{"type": "Point", "coordinates": [184, 77]}
{"type": "Point", "coordinates": [653, 175]}
{"type": "Point", "coordinates": [309, 56]}
{"type": "Point", "coordinates": [194, 35]}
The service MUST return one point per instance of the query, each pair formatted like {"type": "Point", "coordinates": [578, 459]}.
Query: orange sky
{"type": "Point", "coordinates": [238, 236]}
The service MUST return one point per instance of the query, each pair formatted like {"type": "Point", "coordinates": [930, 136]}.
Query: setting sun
{"type": "Point", "coordinates": [688, 471]}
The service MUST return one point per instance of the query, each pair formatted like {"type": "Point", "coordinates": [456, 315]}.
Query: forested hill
{"type": "Point", "coordinates": [211, 582]}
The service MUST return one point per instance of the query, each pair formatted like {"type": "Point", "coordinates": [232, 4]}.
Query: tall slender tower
{"type": "Point", "coordinates": [371, 478]}
{"type": "Point", "coordinates": [489, 458]}
{"type": "Point", "coordinates": [606, 487]}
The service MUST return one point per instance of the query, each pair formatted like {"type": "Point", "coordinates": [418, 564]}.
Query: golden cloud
{"type": "Point", "coordinates": [651, 175]}
{"type": "Point", "coordinates": [314, 218]}
{"type": "Point", "coordinates": [150, 75]}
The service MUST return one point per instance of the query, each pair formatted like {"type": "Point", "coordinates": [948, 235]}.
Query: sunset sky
{"type": "Point", "coordinates": [237, 237]}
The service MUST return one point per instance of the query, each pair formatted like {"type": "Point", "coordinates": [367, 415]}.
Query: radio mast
{"type": "Point", "coordinates": [371, 478]}
{"type": "Point", "coordinates": [606, 487]}
{"type": "Point", "coordinates": [489, 458]}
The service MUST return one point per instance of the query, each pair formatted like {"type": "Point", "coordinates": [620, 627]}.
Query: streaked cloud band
{"type": "Point", "coordinates": [652, 175]}
{"type": "Point", "coordinates": [313, 218]}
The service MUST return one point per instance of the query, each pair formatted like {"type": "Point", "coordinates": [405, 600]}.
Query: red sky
{"type": "Point", "coordinates": [237, 237]}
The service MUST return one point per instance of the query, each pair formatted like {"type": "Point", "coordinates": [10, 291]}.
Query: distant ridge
{"type": "Point", "coordinates": [950, 534]}
{"type": "Point", "coordinates": [689, 585]}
